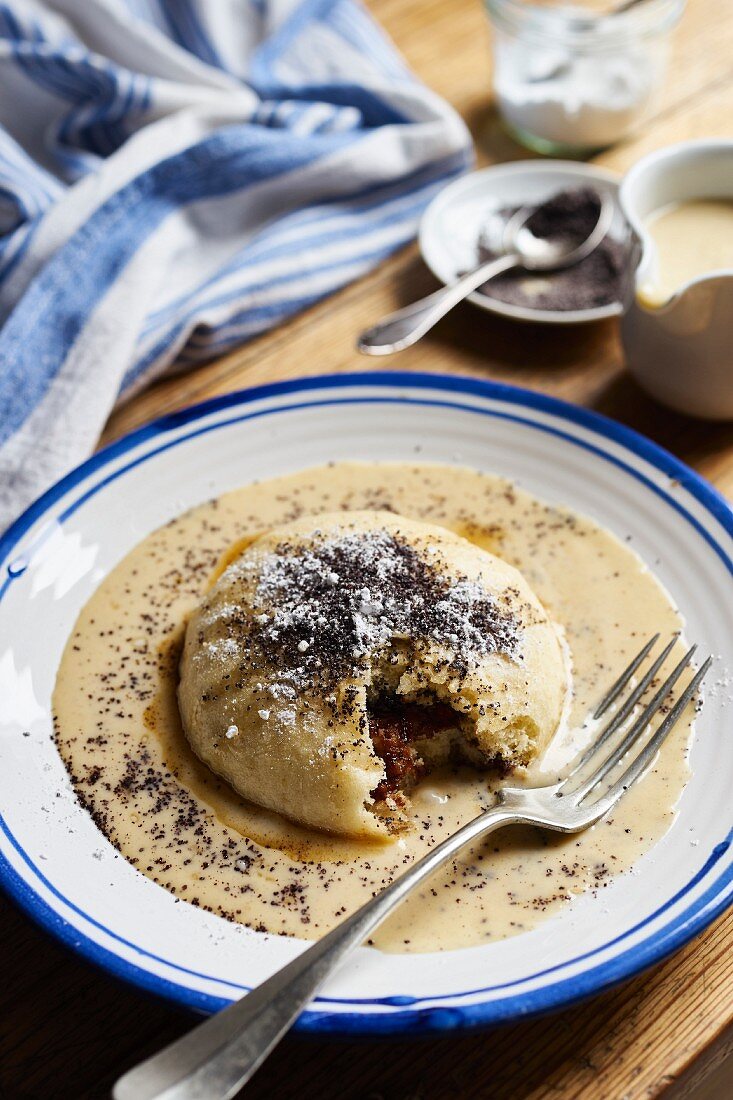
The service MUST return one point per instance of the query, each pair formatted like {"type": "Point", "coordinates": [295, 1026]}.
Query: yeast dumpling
{"type": "Point", "coordinates": [341, 656]}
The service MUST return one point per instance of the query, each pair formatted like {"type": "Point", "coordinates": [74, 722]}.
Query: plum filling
{"type": "Point", "coordinates": [393, 729]}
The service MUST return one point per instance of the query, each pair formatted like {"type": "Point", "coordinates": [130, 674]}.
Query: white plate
{"type": "Point", "coordinates": [60, 868]}
{"type": "Point", "coordinates": [453, 222]}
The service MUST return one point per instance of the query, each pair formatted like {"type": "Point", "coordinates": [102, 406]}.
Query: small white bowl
{"type": "Point", "coordinates": [453, 222]}
{"type": "Point", "coordinates": [682, 351]}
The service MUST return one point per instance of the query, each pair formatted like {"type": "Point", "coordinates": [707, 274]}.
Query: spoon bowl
{"type": "Point", "coordinates": [552, 253]}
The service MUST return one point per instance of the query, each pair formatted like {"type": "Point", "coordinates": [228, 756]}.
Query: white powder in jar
{"type": "Point", "coordinates": [585, 93]}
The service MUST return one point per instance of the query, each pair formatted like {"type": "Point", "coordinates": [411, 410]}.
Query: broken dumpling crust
{"type": "Point", "coordinates": [343, 655]}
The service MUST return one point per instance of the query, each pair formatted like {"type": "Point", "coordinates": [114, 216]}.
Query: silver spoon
{"type": "Point", "coordinates": [521, 249]}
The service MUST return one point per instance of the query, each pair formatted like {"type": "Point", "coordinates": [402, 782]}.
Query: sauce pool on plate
{"type": "Point", "coordinates": [119, 732]}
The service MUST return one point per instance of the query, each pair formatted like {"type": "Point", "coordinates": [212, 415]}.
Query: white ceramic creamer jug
{"type": "Point", "coordinates": [680, 350]}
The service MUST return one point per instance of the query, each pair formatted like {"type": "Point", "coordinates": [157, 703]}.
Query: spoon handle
{"type": "Point", "coordinates": [405, 327]}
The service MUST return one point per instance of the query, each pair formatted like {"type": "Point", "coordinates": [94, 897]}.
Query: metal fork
{"type": "Point", "coordinates": [218, 1057]}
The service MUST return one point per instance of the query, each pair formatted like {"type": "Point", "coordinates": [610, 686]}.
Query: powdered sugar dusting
{"type": "Point", "coordinates": [324, 607]}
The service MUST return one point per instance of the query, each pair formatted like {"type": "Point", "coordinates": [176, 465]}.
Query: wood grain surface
{"type": "Point", "coordinates": [69, 1030]}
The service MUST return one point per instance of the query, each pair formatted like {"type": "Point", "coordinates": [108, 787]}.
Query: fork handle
{"type": "Point", "coordinates": [218, 1057]}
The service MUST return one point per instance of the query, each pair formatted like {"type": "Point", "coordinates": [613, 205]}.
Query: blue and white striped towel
{"type": "Point", "coordinates": [177, 176]}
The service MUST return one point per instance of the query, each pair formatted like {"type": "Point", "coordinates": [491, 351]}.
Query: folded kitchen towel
{"type": "Point", "coordinates": [177, 176]}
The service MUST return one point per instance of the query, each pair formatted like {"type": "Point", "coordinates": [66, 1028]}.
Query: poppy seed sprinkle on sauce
{"type": "Point", "coordinates": [118, 729]}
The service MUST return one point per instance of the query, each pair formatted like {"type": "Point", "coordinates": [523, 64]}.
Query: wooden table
{"type": "Point", "coordinates": [70, 1030]}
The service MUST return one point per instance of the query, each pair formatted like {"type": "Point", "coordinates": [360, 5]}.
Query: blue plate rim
{"type": "Point", "coordinates": [561, 993]}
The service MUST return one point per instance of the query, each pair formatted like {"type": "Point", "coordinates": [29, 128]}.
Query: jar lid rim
{"type": "Point", "coordinates": [566, 23]}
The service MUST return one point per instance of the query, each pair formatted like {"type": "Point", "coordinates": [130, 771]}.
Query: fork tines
{"type": "Point", "coordinates": [596, 762]}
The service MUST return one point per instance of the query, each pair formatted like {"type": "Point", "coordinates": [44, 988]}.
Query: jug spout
{"type": "Point", "coordinates": [677, 322]}
{"type": "Point", "coordinates": [691, 309]}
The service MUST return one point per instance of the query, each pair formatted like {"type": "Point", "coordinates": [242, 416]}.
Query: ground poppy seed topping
{"type": "Point", "coordinates": [323, 608]}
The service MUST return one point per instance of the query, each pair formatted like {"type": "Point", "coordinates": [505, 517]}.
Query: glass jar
{"type": "Point", "coordinates": [570, 81]}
